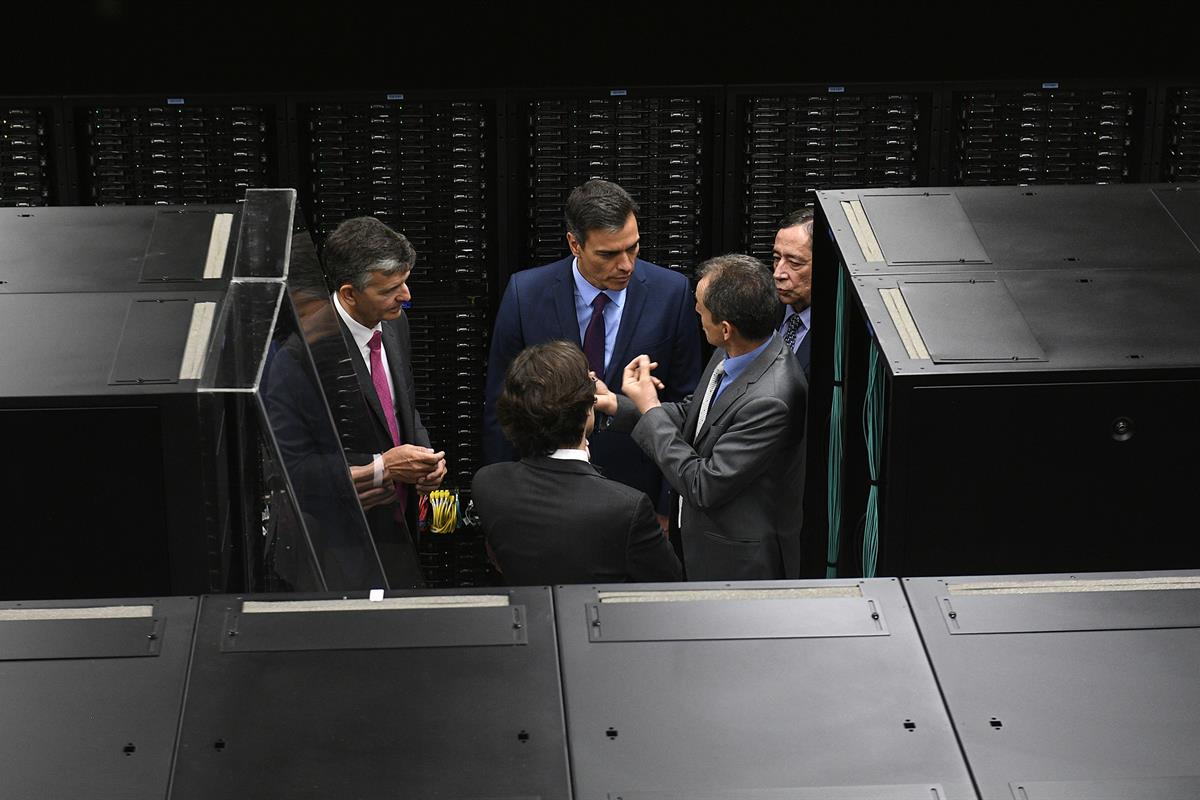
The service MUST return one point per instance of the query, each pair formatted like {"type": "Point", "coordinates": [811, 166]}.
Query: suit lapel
{"type": "Point", "coordinates": [689, 423]}
{"type": "Point", "coordinates": [397, 357]}
{"type": "Point", "coordinates": [749, 376]}
{"type": "Point", "coordinates": [635, 301]}
{"type": "Point", "coordinates": [564, 302]}
{"type": "Point", "coordinates": [363, 372]}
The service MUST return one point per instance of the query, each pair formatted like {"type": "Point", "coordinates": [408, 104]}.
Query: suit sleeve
{"type": "Point", "coordinates": [507, 341]}
{"type": "Point", "coordinates": [684, 369]}
{"type": "Point", "coordinates": [627, 416]}
{"type": "Point", "coordinates": [742, 452]}
{"type": "Point", "coordinates": [648, 554]}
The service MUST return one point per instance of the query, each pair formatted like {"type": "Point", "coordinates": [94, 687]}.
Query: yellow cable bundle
{"type": "Point", "coordinates": [444, 507]}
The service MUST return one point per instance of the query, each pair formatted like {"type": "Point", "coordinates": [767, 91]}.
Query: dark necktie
{"type": "Point", "coordinates": [794, 324]}
{"type": "Point", "coordinates": [593, 337]}
{"type": "Point", "coordinates": [380, 382]}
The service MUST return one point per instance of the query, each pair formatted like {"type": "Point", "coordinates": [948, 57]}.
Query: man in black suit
{"type": "Point", "coordinates": [735, 454]}
{"type": "Point", "coordinates": [369, 264]}
{"type": "Point", "coordinates": [551, 517]}
{"type": "Point", "coordinates": [792, 259]}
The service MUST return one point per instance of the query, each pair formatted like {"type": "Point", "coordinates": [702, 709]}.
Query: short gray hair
{"type": "Point", "coordinates": [362, 245]}
{"type": "Point", "coordinates": [741, 292]}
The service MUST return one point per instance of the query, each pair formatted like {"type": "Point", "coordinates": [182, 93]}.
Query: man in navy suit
{"type": "Point", "coordinates": [792, 260]}
{"type": "Point", "coordinates": [614, 306]}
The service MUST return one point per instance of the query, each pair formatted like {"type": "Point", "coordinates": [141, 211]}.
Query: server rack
{"type": "Point", "coordinates": [422, 694]}
{"type": "Point", "coordinates": [797, 689]}
{"type": "Point", "coordinates": [31, 146]}
{"type": "Point", "coordinates": [1050, 133]}
{"type": "Point", "coordinates": [426, 164]}
{"type": "Point", "coordinates": [1065, 687]}
{"type": "Point", "coordinates": [1179, 136]}
{"type": "Point", "coordinates": [787, 142]}
{"type": "Point", "coordinates": [182, 150]}
{"type": "Point", "coordinates": [661, 144]}
{"type": "Point", "coordinates": [98, 684]}
{"type": "Point", "coordinates": [1006, 362]}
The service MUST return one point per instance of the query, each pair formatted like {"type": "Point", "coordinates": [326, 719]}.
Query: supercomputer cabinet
{"type": "Point", "coordinates": [161, 412]}
{"type": "Point", "coordinates": [1010, 376]}
{"type": "Point", "coordinates": [1069, 687]}
{"type": "Point", "coordinates": [804, 690]}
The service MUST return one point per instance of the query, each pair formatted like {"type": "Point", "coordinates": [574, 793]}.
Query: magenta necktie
{"type": "Point", "coordinates": [593, 337]}
{"type": "Point", "coordinates": [379, 380]}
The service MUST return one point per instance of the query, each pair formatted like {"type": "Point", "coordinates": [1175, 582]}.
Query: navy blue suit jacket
{"type": "Point", "coordinates": [659, 319]}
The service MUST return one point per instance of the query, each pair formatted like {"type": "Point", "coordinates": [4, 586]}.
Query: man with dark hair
{"type": "Point", "coordinates": [735, 454]}
{"type": "Point", "coordinates": [551, 517]}
{"type": "Point", "coordinates": [792, 259]}
{"type": "Point", "coordinates": [613, 306]}
{"type": "Point", "coordinates": [369, 265]}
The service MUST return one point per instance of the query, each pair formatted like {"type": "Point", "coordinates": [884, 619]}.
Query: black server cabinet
{"type": "Point", "coordinates": [661, 144]}
{"type": "Point", "coordinates": [416, 694]}
{"type": "Point", "coordinates": [1069, 687]}
{"type": "Point", "coordinates": [183, 416]}
{"type": "Point", "coordinates": [182, 150]}
{"type": "Point", "coordinates": [1049, 133]}
{"type": "Point", "coordinates": [1179, 145]}
{"type": "Point", "coordinates": [32, 147]}
{"type": "Point", "coordinates": [784, 143]}
{"type": "Point", "coordinates": [1009, 375]}
{"type": "Point", "coordinates": [92, 692]}
{"type": "Point", "coordinates": [795, 689]}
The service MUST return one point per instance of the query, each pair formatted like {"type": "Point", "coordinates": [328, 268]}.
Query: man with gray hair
{"type": "Point", "coordinates": [792, 261]}
{"type": "Point", "coordinates": [369, 265]}
{"type": "Point", "coordinates": [735, 454]}
{"type": "Point", "coordinates": [612, 305]}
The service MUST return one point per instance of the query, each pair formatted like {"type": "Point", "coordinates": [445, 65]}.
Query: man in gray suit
{"type": "Point", "coordinates": [735, 455]}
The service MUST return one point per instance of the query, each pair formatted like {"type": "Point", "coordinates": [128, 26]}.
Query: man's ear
{"type": "Point", "coordinates": [573, 243]}
{"type": "Point", "coordinates": [345, 293]}
{"type": "Point", "coordinates": [726, 331]}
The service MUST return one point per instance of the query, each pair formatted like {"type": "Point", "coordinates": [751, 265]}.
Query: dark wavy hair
{"type": "Point", "coordinates": [546, 399]}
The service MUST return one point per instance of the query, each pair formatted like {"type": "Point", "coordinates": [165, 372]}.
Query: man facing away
{"type": "Point", "coordinates": [551, 517]}
{"type": "Point", "coordinates": [612, 305]}
{"type": "Point", "coordinates": [735, 453]}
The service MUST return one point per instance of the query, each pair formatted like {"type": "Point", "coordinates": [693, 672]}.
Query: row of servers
{"type": "Point", "coordinates": [657, 148]}
{"type": "Point", "coordinates": [1047, 687]}
{"type": "Point", "coordinates": [510, 158]}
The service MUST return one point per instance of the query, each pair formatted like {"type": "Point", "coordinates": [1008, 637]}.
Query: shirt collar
{"type": "Point", "coordinates": [736, 365]}
{"type": "Point", "coordinates": [361, 333]}
{"type": "Point", "coordinates": [570, 454]}
{"type": "Point", "coordinates": [589, 292]}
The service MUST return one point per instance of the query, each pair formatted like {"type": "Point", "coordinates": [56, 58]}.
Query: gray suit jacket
{"type": "Point", "coordinates": [742, 478]}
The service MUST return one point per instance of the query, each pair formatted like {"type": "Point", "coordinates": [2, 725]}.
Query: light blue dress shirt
{"type": "Point", "coordinates": [585, 293]}
{"type": "Point", "coordinates": [737, 365]}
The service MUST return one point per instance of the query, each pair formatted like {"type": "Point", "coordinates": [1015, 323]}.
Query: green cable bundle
{"type": "Point", "coordinates": [873, 437]}
{"type": "Point", "coordinates": [836, 411]}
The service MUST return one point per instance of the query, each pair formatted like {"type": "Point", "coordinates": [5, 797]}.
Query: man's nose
{"type": "Point", "coordinates": [405, 294]}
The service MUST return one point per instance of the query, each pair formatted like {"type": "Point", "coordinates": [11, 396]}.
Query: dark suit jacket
{"type": "Point", "coordinates": [742, 481]}
{"type": "Point", "coordinates": [804, 355]}
{"type": "Point", "coordinates": [370, 435]}
{"type": "Point", "coordinates": [551, 521]}
{"type": "Point", "coordinates": [659, 319]}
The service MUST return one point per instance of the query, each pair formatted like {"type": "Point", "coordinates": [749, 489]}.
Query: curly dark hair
{"type": "Point", "coordinates": [546, 399]}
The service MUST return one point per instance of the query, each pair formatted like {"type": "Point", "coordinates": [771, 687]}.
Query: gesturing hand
{"type": "Point", "coordinates": [639, 385]}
